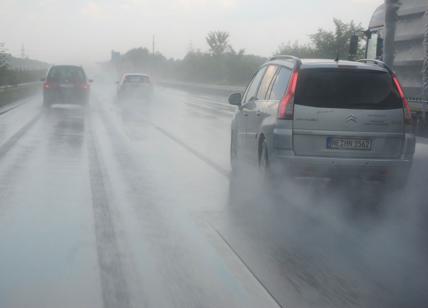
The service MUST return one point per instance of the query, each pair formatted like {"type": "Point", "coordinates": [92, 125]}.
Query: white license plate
{"type": "Point", "coordinates": [349, 143]}
{"type": "Point", "coordinates": [66, 85]}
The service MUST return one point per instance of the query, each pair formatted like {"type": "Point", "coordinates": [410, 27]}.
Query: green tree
{"type": "Point", "coordinates": [330, 44]}
{"type": "Point", "coordinates": [296, 49]}
{"type": "Point", "coordinates": [218, 41]}
{"type": "Point", "coordinates": [326, 44]}
{"type": "Point", "coordinates": [142, 60]}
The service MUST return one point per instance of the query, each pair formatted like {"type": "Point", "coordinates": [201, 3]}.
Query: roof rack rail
{"type": "Point", "coordinates": [377, 62]}
{"type": "Point", "coordinates": [286, 57]}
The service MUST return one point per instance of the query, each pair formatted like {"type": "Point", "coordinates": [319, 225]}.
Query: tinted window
{"type": "Point", "coordinates": [280, 84]}
{"type": "Point", "coordinates": [254, 86]}
{"type": "Point", "coordinates": [266, 81]}
{"type": "Point", "coordinates": [347, 88]}
{"type": "Point", "coordinates": [67, 74]}
{"type": "Point", "coordinates": [136, 79]}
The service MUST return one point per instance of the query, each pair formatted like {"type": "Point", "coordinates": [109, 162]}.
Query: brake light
{"type": "Point", "coordinates": [286, 106]}
{"type": "Point", "coordinates": [46, 85]}
{"type": "Point", "coordinates": [85, 86]}
{"type": "Point", "coordinates": [406, 107]}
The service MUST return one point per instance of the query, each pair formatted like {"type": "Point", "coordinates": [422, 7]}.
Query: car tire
{"type": "Point", "coordinates": [265, 164]}
{"type": "Point", "coordinates": [399, 182]}
{"type": "Point", "coordinates": [234, 164]}
{"type": "Point", "coordinates": [46, 104]}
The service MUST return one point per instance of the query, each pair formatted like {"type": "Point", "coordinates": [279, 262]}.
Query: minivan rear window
{"type": "Point", "coordinates": [67, 74]}
{"type": "Point", "coordinates": [347, 89]}
{"type": "Point", "coordinates": [137, 79]}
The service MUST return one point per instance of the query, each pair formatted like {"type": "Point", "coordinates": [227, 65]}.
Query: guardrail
{"type": "Point", "coordinates": [220, 90]}
{"type": "Point", "coordinates": [10, 94]}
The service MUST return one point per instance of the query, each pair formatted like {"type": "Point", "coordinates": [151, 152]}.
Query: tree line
{"type": "Point", "coordinates": [222, 64]}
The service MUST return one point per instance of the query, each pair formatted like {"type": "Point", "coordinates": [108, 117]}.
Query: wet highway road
{"type": "Point", "coordinates": [133, 206]}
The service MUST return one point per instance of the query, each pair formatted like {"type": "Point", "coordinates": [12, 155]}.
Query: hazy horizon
{"type": "Point", "coordinates": [85, 32]}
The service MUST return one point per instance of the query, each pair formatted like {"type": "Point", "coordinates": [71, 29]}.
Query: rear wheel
{"type": "Point", "coordinates": [46, 103]}
{"type": "Point", "coordinates": [85, 101]}
{"type": "Point", "coordinates": [233, 154]}
{"type": "Point", "coordinates": [265, 164]}
{"type": "Point", "coordinates": [398, 182]}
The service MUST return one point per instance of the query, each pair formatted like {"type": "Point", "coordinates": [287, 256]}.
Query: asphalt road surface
{"type": "Point", "coordinates": [132, 205]}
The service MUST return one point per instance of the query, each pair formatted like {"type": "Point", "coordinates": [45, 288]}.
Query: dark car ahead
{"type": "Point", "coordinates": [66, 84]}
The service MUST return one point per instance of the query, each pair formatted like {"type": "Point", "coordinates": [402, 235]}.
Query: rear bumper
{"type": "Point", "coordinates": [283, 156]}
{"type": "Point", "coordinates": [135, 92]}
{"type": "Point", "coordinates": [58, 97]}
{"type": "Point", "coordinates": [332, 166]}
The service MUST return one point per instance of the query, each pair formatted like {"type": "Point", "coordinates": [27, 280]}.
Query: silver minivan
{"type": "Point", "coordinates": [324, 118]}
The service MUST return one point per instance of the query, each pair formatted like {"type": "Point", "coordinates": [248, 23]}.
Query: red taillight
{"type": "Point", "coordinates": [46, 85]}
{"type": "Point", "coordinates": [406, 107]}
{"type": "Point", "coordinates": [286, 107]}
{"type": "Point", "coordinates": [85, 86]}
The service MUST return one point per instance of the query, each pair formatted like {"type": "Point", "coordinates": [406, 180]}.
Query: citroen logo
{"type": "Point", "coordinates": [351, 118]}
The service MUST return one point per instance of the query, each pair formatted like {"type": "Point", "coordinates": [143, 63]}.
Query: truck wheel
{"type": "Point", "coordinates": [398, 181]}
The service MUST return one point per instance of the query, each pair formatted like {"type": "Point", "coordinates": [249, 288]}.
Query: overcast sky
{"type": "Point", "coordinates": [83, 31]}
